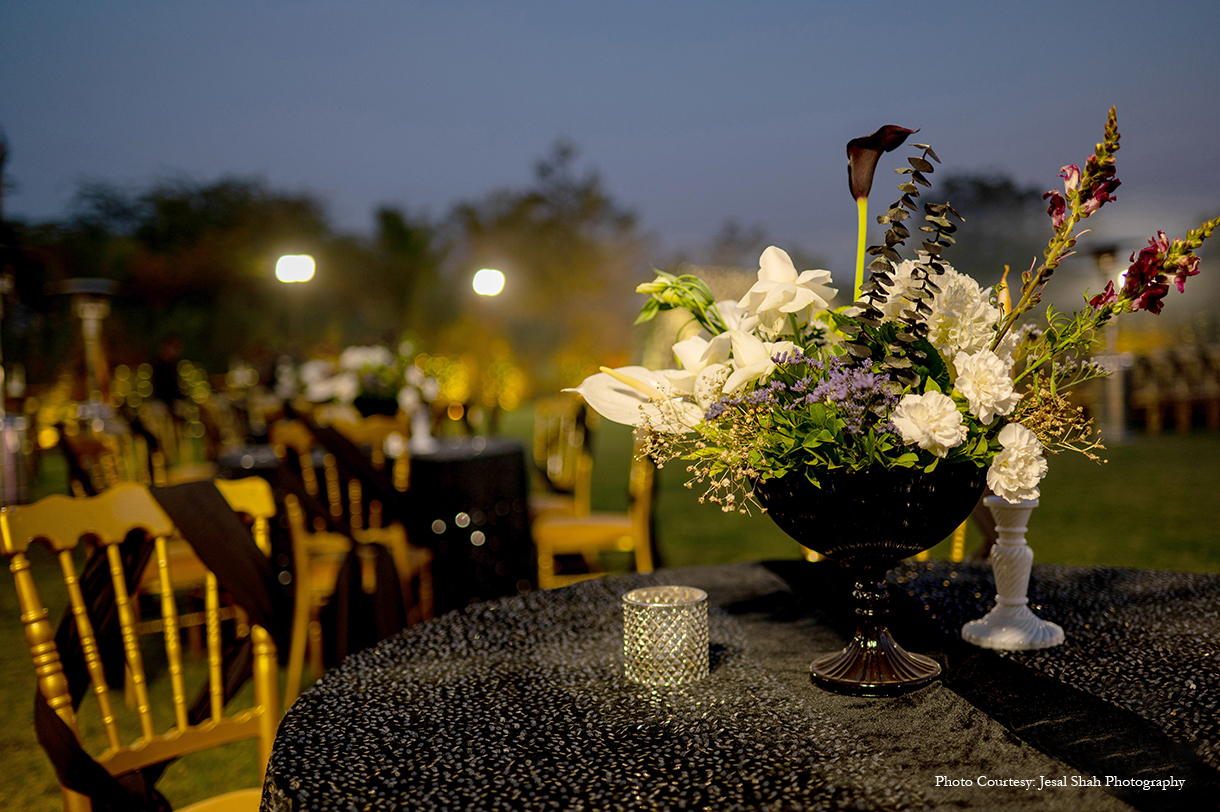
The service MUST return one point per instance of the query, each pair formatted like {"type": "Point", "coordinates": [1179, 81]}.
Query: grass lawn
{"type": "Point", "coordinates": [1152, 506]}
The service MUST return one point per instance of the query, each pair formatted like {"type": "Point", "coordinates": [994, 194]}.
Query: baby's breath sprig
{"type": "Point", "coordinates": [1058, 424]}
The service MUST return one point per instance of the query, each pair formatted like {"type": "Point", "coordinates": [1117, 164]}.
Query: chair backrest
{"type": "Point", "coordinates": [381, 433]}
{"type": "Point", "coordinates": [59, 522]}
{"type": "Point", "coordinates": [252, 496]}
{"type": "Point", "coordinates": [308, 547]}
{"type": "Point", "coordinates": [295, 436]}
{"type": "Point", "coordinates": [562, 448]}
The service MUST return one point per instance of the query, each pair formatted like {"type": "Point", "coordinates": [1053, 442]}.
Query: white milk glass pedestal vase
{"type": "Point", "coordinates": [422, 441]}
{"type": "Point", "coordinates": [1011, 625]}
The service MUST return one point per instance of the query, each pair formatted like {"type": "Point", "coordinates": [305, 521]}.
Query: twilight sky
{"type": "Point", "coordinates": [693, 111]}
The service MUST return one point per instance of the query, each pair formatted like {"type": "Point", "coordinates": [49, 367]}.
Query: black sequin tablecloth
{"type": "Point", "coordinates": [520, 704]}
{"type": "Point", "coordinates": [468, 505]}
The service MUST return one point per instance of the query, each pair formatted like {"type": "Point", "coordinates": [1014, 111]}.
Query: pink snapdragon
{"type": "Point", "coordinates": [1089, 191]}
{"type": "Point", "coordinates": [1146, 282]}
{"type": "Point", "coordinates": [1071, 177]}
{"type": "Point", "coordinates": [1057, 208]}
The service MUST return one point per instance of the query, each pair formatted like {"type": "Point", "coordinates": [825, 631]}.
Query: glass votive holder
{"type": "Point", "coordinates": [665, 635]}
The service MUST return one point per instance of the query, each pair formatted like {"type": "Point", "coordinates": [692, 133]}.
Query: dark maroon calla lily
{"type": "Point", "coordinates": [863, 154]}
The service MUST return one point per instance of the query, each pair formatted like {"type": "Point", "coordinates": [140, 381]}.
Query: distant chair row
{"type": "Point", "coordinates": [1180, 383]}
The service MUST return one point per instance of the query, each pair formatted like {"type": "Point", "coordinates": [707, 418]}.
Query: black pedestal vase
{"type": "Point", "coordinates": [868, 521]}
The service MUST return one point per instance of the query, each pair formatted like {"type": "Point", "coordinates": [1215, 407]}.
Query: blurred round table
{"type": "Point", "coordinates": [467, 503]}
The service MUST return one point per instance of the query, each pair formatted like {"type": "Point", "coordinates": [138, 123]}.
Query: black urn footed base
{"type": "Point", "coordinates": [868, 521]}
{"type": "Point", "coordinates": [873, 664]}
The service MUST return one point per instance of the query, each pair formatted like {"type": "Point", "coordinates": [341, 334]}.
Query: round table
{"type": "Point", "coordinates": [520, 703]}
{"type": "Point", "coordinates": [468, 505]}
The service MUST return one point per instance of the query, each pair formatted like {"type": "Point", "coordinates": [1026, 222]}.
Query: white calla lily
{"type": "Point", "coordinates": [780, 290]}
{"type": "Point", "coordinates": [736, 317]}
{"type": "Point", "coordinates": [753, 359]}
{"type": "Point", "coordinates": [637, 396]}
{"type": "Point", "coordinates": [695, 354]}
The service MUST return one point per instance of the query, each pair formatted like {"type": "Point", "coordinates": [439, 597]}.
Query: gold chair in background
{"type": "Point", "coordinates": [591, 535]}
{"type": "Point", "coordinates": [562, 433]}
{"type": "Point", "coordinates": [103, 460]}
{"type": "Point", "coordinates": [318, 557]}
{"type": "Point", "coordinates": [382, 435]}
{"type": "Point", "coordinates": [319, 552]}
{"type": "Point", "coordinates": [295, 436]}
{"type": "Point", "coordinates": [60, 522]}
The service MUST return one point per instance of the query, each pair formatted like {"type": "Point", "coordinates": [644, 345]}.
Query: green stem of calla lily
{"type": "Point", "coordinates": [861, 232]}
{"type": "Point", "coordinates": [650, 392]}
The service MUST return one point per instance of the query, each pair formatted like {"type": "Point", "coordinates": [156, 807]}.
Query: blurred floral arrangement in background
{"type": "Point", "coordinates": [368, 373]}
{"type": "Point", "coordinates": [924, 368]}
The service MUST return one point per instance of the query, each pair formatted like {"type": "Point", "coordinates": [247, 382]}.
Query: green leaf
{"type": "Point", "coordinates": [649, 311]}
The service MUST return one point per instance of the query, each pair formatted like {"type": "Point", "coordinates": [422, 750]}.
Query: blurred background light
{"type": "Point", "coordinates": [488, 282]}
{"type": "Point", "coordinates": [294, 268]}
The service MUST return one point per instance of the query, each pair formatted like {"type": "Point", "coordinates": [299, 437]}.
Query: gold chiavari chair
{"type": "Point", "coordinates": [294, 440]}
{"type": "Point", "coordinates": [380, 433]}
{"type": "Point", "coordinates": [597, 533]}
{"type": "Point", "coordinates": [562, 427]}
{"type": "Point", "coordinates": [317, 556]}
{"type": "Point", "coordinates": [60, 522]}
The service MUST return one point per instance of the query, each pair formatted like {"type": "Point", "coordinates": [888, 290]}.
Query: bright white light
{"type": "Point", "coordinates": [294, 268]}
{"type": "Point", "coordinates": [488, 282]}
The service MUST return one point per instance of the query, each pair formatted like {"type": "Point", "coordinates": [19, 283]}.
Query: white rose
{"type": "Point", "coordinates": [986, 382]}
{"type": "Point", "coordinates": [930, 421]}
{"type": "Point", "coordinates": [709, 384]}
{"type": "Point", "coordinates": [1019, 467]}
{"type": "Point", "coordinates": [315, 371]}
{"type": "Point", "coordinates": [346, 386]}
{"type": "Point", "coordinates": [780, 291]}
{"type": "Point", "coordinates": [736, 317]}
{"type": "Point", "coordinates": [895, 301]}
{"type": "Point", "coordinates": [753, 359]}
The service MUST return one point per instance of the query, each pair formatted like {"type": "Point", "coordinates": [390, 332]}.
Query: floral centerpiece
{"type": "Point", "coordinates": [925, 368]}
{"type": "Point", "coordinates": [908, 396]}
{"type": "Point", "coordinates": [373, 379]}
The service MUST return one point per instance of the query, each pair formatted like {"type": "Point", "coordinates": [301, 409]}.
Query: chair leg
{"type": "Point", "coordinates": [315, 648]}
{"type": "Point", "coordinates": [426, 605]}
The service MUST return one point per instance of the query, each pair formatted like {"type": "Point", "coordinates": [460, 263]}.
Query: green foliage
{"type": "Point", "coordinates": [901, 353]}
{"type": "Point", "coordinates": [687, 292]}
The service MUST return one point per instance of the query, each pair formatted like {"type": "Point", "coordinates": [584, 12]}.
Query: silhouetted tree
{"type": "Point", "coordinates": [1005, 224]}
{"type": "Point", "coordinates": [571, 256]}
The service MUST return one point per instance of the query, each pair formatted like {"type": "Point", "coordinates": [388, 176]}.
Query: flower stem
{"type": "Point", "coordinates": [861, 229]}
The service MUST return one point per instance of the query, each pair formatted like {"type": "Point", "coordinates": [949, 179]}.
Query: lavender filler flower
{"type": "Point", "coordinates": [861, 397]}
